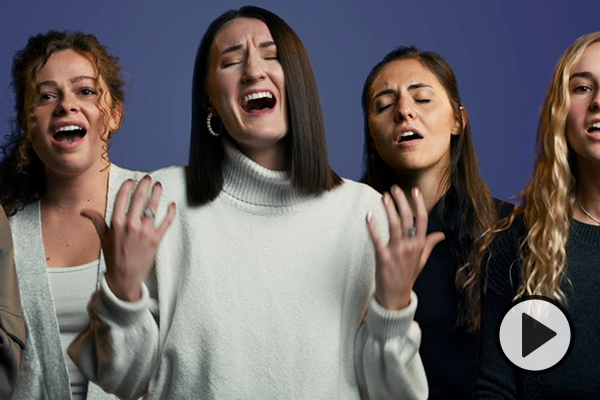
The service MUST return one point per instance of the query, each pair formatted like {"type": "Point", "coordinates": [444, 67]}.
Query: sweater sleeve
{"type": "Point", "coordinates": [12, 324]}
{"type": "Point", "coordinates": [118, 349]}
{"type": "Point", "coordinates": [387, 360]}
{"type": "Point", "coordinates": [496, 377]}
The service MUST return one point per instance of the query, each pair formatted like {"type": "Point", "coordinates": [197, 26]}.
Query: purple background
{"type": "Point", "coordinates": [503, 52]}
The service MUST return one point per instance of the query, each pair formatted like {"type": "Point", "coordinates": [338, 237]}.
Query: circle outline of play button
{"type": "Point", "coordinates": [517, 314]}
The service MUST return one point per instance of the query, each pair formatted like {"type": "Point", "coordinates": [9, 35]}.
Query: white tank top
{"type": "Point", "coordinates": [71, 289]}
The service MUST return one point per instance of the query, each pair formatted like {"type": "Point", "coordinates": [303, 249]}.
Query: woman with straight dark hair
{"type": "Point", "coordinates": [550, 244]}
{"type": "Point", "coordinates": [268, 285]}
{"type": "Point", "coordinates": [417, 134]}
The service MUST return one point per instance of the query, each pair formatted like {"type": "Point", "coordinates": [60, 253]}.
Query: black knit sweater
{"type": "Point", "coordinates": [578, 377]}
{"type": "Point", "coordinates": [449, 354]}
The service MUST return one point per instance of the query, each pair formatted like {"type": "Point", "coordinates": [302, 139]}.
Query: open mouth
{"type": "Point", "coordinates": [69, 134]}
{"type": "Point", "coordinates": [595, 128]}
{"type": "Point", "coordinates": [259, 101]}
{"type": "Point", "coordinates": [408, 136]}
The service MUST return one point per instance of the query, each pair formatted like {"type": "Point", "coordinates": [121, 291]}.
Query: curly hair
{"type": "Point", "coordinates": [22, 178]}
{"type": "Point", "coordinates": [478, 212]}
{"type": "Point", "coordinates": [553, 187]}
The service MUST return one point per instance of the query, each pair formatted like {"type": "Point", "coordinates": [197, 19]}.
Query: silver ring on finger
{"type": "Point", "coordinates": [409, 233]}
{"type": "Point", "coordinates": [148, 213]}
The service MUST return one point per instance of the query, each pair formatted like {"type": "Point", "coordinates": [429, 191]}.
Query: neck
{"type": "Point", "coordinates": [273, 157]}
{"type": "Point", "coordinates": [588, 193]}
{"type": "Point", "coordinates": [74, 192]}
{"type": "Point", "coordinates": [430, 183]}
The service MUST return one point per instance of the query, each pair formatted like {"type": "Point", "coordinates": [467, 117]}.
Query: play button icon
{"type": "Point", "coordinates": [535, 334]}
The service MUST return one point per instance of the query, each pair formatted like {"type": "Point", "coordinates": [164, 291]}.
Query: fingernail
{"type": "Point", "coordinates": [385, 198]}
{"type": "Point", "coordinates": [146, 177]}
{"type": "Point", "coordinates": [415, 191]}
{"type": "Point", "coordinates": [158, 184]}
{"type": "Point", "coordinates": [369, 216]}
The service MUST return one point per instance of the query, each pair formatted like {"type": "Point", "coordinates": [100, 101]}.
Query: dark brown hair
{"type": "Point", "coordinates": [477, 209]}
{"type": "Point", "coordinates": [305, 139]}
{"type": "Point", "coordinates": [22, 179]}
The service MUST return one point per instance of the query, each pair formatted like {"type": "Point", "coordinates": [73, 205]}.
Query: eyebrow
{"type": "Point", "coordinates": [73, 80]}
{"type": "Point", "coordinates": [414, 86]}
{"type": "Point", "coordinates": [237, 47]}
{"type": "Point", "coordinates": [585, 74]}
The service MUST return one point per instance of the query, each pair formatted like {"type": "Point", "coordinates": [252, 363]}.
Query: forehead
{"type": "Point", "coordinates": [240, 30]}
{"type": "Point", "coordinates": [404, 73]}
{"type": "Point", "coordinates": [590, 61]}
{"type": "Point", "coordinates": [67, 63]}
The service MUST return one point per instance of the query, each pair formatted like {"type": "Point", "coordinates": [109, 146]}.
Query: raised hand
{"type": "Point", "coordinates": [400, 261]}
{"type": "Point", "coordinates": [131, 241]}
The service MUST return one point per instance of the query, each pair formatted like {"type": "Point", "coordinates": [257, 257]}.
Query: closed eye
{"type": "Point", "coordinates": [382, 108]}
{"type": "Point", "coordinates": [422, 100]}
{"type": "Point", "coordinates": [230, 63]}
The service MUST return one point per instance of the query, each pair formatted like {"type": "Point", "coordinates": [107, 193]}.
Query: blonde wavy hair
{"type": "Point", "coordinates": [547, 202]}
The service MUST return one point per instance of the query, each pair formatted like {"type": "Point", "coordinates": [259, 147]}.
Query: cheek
{"type": "Point", "coordinates": [575, 118]}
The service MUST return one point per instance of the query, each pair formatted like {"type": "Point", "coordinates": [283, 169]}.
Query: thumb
{"type": "Point", "coordinates": [98, 221]}
{"type": "Point", "coordinates": [430, 242]}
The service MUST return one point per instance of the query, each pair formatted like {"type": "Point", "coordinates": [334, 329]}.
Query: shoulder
{"type": "Point", "coordinates": [119, 174]}
{"type": "Point", "coordinates": [355, 193]}
{"type": "Point", "coordinates": [354, 200]}
{"type": "Point", "coordinates": [175, 173]}
{"type": "Point", "coordinates": [173, 182]}
{"type": "Point", "coordinates": [504, 258]}
{"type": "Point", "coordinates": [504, 208]}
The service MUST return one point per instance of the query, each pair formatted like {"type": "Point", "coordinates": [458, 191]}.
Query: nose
{"type": "Point", "coordinates": [595, 104]}
{"type": "Point", "coordinates": [254, 69]}
{"type": "Point", "coordinates": [404, 111]}
{"type": "Point", "coordinates": [67, 104]}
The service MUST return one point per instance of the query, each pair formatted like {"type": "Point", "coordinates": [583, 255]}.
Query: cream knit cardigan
{"type": "Point", "coordinates": [260, 295]}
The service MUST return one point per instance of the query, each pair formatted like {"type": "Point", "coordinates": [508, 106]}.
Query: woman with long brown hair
{"type": "Point", "coordinates": [417, 134]}
{"type": "Point", "coordinates": [69, 103]}
{"type": "Point", "coordinates": [550, 245]}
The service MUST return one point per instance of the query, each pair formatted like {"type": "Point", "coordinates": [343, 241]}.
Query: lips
{"type": "Point", "coordinates": [594, 128]}
{"type": "Point", "coordinates": [68, 135]}
{"type": "Point", "coordinates": [407, 134]}
{"type": "Point", "coordinates": [258, 101]}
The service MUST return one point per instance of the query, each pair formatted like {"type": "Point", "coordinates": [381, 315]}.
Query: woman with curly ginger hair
{"type": "Point", "coordinates": [549, 245]}
{"type": "Point", "coordinates": [55, 171]}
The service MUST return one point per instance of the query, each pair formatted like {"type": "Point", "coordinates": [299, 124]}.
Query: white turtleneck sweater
{"type": "Point", "coordinates": [259, 294]}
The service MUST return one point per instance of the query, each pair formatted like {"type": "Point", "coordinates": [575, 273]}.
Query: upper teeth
{"type": "Point", "coordinates": [258, 95]}
{"type": "Point", "coordinates": [408, 133]}
{"type": "Point", "coordinates": [68, 128]}
{"type": "Point", "coordinates": [596, 125]}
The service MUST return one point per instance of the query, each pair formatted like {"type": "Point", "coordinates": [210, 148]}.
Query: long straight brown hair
{"type": "Point", "coordinates": [305, 139]}
{"type": "Point", "coordinates": [477, 209]}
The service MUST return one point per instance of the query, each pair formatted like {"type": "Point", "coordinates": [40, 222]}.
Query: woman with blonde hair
{"type": "Point", "coordinates": [550, 245]}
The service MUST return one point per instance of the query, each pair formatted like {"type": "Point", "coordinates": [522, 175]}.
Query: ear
{"type": "Point", "coordinates": [460, 121]}
{"type": "Point", "coordinates": [116, 114]}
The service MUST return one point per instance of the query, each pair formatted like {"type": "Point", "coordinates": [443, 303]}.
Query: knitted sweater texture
{"type": "Point", "coordinates": [260, 294]}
